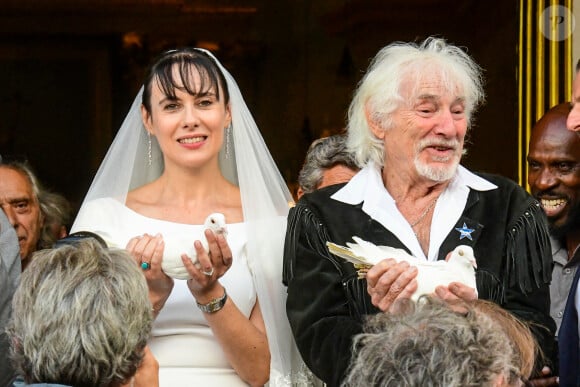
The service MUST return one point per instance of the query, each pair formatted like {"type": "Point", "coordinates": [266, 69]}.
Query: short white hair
{"type": "Point", "coordinates": [379, 91]}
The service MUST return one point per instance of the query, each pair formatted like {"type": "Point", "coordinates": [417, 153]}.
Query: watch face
{"type": "Point", "coordinates": [214, 305]}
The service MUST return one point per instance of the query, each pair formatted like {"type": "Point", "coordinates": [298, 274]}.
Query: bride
{"type": "Point", "coordinates": [188, 148]}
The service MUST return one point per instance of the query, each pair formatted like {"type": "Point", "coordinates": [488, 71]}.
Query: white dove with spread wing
{"type": "Point", "coordinates": [458, 267]}
{"type": "Point", "coordinates": [175, 247]}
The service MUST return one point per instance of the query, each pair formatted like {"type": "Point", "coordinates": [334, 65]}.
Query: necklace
{"type": "Point", "coordinates": [422, 216]}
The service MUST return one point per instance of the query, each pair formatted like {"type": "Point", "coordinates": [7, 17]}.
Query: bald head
{"type": "Point", "coordinates": [554, 170]}
{"type": "Point", "coordinates": [556, 117]}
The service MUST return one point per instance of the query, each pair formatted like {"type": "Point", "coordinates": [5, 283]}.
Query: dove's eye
{"type": "Point", "coordinates": [460, 252]}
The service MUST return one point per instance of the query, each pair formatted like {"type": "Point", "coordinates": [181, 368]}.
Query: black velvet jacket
{"type": "Point", "coordinates": [569, 339]}
{"type": "Point", "coordinates": [327, 302]}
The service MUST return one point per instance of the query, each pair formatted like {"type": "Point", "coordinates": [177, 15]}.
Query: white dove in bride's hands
{"type": "Point", "coordinates": [175, 246]}
{"type": "Point", "coordinates": [459, 265]}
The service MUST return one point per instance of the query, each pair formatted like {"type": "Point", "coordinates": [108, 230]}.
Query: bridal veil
{"type": "Point", "coordinates": [265, 203]}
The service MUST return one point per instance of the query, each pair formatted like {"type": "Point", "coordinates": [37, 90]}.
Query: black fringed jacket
{"type": "Point", "coordinates": [326, 301]}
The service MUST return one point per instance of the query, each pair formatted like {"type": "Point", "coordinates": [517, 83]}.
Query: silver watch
{"type": "Point", "coordinates": [214, 305]}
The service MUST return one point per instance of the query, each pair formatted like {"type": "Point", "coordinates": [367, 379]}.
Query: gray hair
{"type": "Point", "coordinates": [58, 211]}
{"type": "Point", "coordinates": [45, 240]}
{"type": "Point", "coordinates": [379, 92]}
{"type": "Point", "coordinates": [54, 208]}
{"type": "Point", "coordinates": [25, 170]}
{"type": "Point", "coordinates": [429, 344]}
{"type": "Point", "coordinates": [322, 154]}
{"type": "Point", "coordinates": [81, 316]}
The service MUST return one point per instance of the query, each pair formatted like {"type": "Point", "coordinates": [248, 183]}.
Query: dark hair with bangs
{"type": "Point", "coordinates": [187, 60]}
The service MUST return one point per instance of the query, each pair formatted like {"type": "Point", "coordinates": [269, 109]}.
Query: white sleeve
{"type": "Point", "coordinates": [100, 216]}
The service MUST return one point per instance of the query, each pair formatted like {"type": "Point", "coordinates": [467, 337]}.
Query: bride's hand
{"type": "Point", "coordinates": [147, 251]}
{"type": "Point", "coordinates": [211, 267]}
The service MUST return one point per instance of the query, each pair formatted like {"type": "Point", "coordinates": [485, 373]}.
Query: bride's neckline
{"type": "Point", "coordinates": [137, 214]}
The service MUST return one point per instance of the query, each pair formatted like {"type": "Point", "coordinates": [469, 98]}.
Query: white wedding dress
{"type": "Point", "coordinates": [183, 343]}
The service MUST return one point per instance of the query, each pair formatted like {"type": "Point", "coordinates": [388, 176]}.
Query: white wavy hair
{"type": "Point", "coordinates": [379, 91]}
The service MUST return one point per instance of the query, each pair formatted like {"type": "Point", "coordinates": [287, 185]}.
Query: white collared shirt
{"type": "Point", "coordinates": [367, 187]}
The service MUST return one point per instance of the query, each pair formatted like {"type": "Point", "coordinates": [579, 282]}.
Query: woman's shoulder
{"type": "Point", "coordinates": [103, 203]}
{"type": "Point", "coordinates": [100, 208]}
{"type": "Point", "coordinates": [110, 208]}
{"type": "Point", "coordinates": [99, 214]}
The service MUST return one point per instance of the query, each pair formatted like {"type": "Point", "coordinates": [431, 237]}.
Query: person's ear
{"type": "Point", "coordinates": [500, 381]}
{"type": "Point", "coordinates": [375, 126]}
{"type": "Point", "coordinates": [146, 118]}
{"type": "Point", "coordinates": [299, 192]}
{"type": "Point", "coordinates": [228, 115]}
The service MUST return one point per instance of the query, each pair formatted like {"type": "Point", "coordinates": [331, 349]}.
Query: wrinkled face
{"type": "Point", "coordinates": [336, 174]}
{"type": "Point", "coordinates": [22, 209]}
{"type": "Point", "coordinates": [426, 140]}
{"type": "Point", "coordinates": [189, 128]}
{"type": "Point", "coordinates": [573, 122]}
{"type": "Point", "coordinates": [554, 174]}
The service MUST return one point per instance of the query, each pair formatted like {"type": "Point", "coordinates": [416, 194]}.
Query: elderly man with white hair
{"type": "Point", "coordinates": [407, 126]}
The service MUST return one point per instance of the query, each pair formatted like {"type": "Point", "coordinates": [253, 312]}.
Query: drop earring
{"type": "Point", "coordinates": [228, 135]}
{"type": "Point", "coordinates": [149, 148]}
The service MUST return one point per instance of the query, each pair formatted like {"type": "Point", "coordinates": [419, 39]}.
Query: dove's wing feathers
{"type": "Point", "coordinates": [175, 247]}
{"type": "Point", "coordinates": [460, 266]}
{"type": "Point", "coordinates": [377, 253]}
{"type": "Point", "coordinates": [369, 251]}
{"type": "Point", "coordinates": [399, 255]}
{"type": "Point", "coordinates": [364, 252]}
{"type": "Point", "coordinates": [436, 265]}
{"type": "Point", "coordinates": [347, 254]}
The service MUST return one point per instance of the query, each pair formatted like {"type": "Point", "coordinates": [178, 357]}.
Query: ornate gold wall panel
{"type": "Point", "coordinates": [544, 65]}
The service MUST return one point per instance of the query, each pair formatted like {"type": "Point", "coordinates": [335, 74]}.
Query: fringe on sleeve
{"type": "Point", "coordinates": [490, 287]}
{"type": "Point", "coordinates": [302, 217]}
{"type": "Point", "coordinates": [528, 253]}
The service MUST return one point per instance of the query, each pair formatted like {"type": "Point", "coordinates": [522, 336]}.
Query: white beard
{"type": "Point", "coordinates": [436, 173]}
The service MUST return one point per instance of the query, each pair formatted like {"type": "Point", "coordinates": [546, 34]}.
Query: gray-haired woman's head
{"type": "Point", "coordinates": [81, 316]}
{"type": "Point", "coordinates": [431, 344]}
